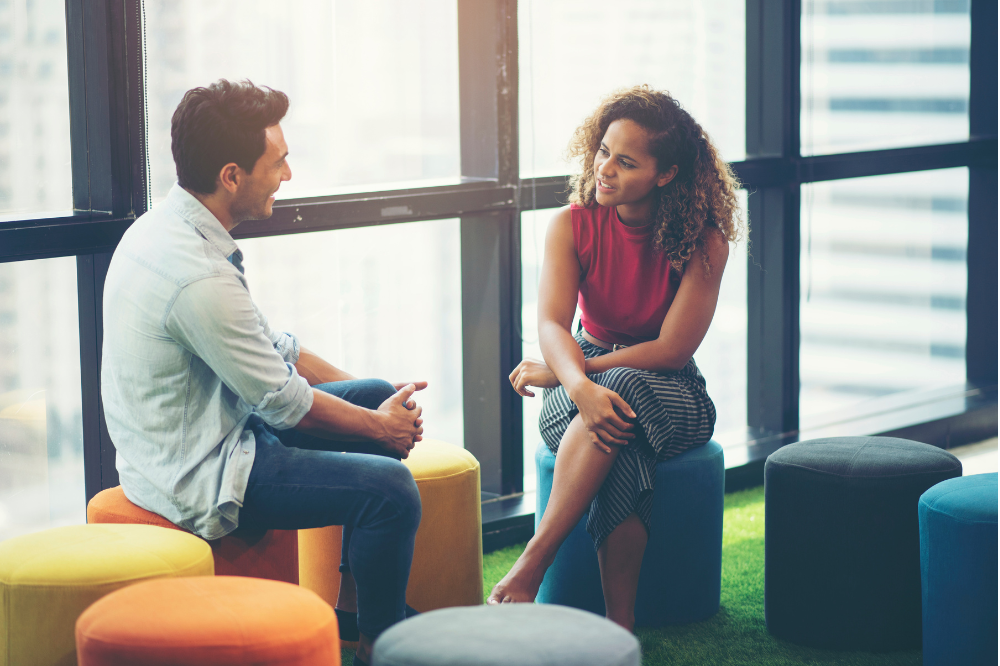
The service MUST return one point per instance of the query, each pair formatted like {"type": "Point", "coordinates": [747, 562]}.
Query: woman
{"type": "Point", "coordinates": [641, 249]}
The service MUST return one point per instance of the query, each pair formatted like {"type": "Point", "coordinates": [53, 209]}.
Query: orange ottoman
{"type": "Point", "coordinates": [209, 621]}
{"type": "Point", "coordinates": [273, 554]}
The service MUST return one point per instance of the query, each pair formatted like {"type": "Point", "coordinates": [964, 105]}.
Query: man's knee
{"type": "Point", "coordinates": [401, 491]}
{"type": "Point", "coordinates": [373, 392]}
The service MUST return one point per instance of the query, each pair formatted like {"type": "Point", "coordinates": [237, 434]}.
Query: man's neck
{"type": "Point", "coordinates": [217, 205]}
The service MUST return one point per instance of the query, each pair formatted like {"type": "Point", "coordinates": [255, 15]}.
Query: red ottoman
{"type": "Point", "coordinates": [273, 554]}
{"type": "Point", "coordinates": [208, 621]}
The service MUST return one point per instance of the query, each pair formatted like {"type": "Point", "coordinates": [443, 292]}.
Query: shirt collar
{"type": "Point", "coordinates": [194, 212]}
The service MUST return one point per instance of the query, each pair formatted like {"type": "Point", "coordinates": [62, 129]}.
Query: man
{"type": "Point", "coordinates": [220, 421]}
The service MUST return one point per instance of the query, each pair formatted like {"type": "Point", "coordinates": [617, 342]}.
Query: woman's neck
{"type": "Point", "coordinates": [637, 214]}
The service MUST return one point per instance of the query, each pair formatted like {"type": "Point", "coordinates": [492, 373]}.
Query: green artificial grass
{"type": "Point", "coordinates": [736, 635]}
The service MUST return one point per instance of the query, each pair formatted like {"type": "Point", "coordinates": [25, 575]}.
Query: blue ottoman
{"type": "Point", "coordinates": [958, 571]}
{"type": "Point", "coordinates": [682, 569]}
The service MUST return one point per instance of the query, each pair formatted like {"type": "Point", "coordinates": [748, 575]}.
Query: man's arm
{"type": "Point", "coordinates": [393, 425]}
{"type": "Point", "coordinates": [317, 371]}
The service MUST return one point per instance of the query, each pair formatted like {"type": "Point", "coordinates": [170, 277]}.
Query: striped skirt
{"type": "Point", "coordinates": [674, 414]}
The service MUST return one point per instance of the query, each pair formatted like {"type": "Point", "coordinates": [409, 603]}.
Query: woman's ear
{"type": "Point", "coordinates": [667, 176]}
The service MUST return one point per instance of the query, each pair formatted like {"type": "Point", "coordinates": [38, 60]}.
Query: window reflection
{"type": "Point", "coordinates": [41, 426]}
{"type": "Point", "coordinates": [373, 85]}
{"type": "Point", "coordinates": [883, 285]}
{"type": "Point", "coordinates": [34, 108]}
{"type": "Point", "coordinates": [884, 74]}
{"type": "Point", "coordinates": [376, 301]}
{"type": "Point", "coordinates": [574, 52]}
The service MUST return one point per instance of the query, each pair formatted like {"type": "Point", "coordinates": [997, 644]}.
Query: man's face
{"type": "Point", "coordinates": [255, 194]}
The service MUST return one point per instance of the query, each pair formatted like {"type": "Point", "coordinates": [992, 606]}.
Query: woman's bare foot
{"type": "Point", "coordinates": [521, 583]}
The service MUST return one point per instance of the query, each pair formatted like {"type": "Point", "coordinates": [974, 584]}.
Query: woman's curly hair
{"type": "Point", "coordinates": [702, 194]}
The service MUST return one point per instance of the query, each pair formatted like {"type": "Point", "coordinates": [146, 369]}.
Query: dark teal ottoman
{"type": "Point", "coordinates": [682, 568]}
{"type": "Point", "coordinates": [522, 634]}
{"type": "Point", "coordinates": [841, 542]}
{"type": "Point", "coordinates": [958, 571]}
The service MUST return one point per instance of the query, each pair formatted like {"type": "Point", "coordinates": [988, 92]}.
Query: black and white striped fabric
{"type": "Point", "coordinates": [675, 414]}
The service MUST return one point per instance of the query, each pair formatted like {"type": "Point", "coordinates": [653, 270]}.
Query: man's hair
{"type": "Point", "coordinates": [219, 124]}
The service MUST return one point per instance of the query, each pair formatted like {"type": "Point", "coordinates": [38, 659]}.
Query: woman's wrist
{"type": "Point", "coordinates": [574, 388]}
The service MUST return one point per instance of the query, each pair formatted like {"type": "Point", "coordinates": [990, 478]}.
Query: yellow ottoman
{"type": "Point", "coordinates": [48, 578]}
{"type": "Point", "coordinates": [448, 555]}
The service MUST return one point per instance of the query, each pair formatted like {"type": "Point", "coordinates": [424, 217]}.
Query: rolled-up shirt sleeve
{"type": "Point", "coordinates": [284, 343]}
{"type": "Point", "coordinates": [215, 319]}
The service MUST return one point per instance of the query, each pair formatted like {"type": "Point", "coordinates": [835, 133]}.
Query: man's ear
{"type": "Point", "coordinates": [229, 177]}
{"type": "Point", "coordinates": [667, 176]}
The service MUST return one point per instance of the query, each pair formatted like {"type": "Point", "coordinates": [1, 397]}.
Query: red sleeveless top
{"type": "Point", "coordinates": [626, 286]}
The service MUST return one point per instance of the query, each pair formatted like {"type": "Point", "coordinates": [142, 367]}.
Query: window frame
{"type": "Point", "coordinates": [109, 166]}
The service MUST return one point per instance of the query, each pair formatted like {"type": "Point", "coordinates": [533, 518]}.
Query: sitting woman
{"type": "Point", "coordinates": [641, 249]}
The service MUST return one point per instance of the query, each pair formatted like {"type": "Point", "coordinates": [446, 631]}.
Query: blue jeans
{"type": "Point", "coordinates": [299, 481]}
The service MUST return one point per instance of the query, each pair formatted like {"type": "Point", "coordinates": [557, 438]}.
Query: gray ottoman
{"type": "Point", "coordinates": [526, 634]}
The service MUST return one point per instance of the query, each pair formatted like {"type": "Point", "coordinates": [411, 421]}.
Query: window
{"type": "Point", "coordinates": [884, 74]}
{"type": "Point", "coordinates": [373, 85]}
{"type": "Point", "coordinates": [376, 301]}
{"type": "Point", "coordinates": [883, 282]}
{"type": "Point", "coordinates": [34, 109]}
{"type": "Point", "coordinates": [574, 52]}
{"type": "Point", "coordinates": [41, 427]}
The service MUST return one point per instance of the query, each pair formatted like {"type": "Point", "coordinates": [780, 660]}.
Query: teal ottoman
{"type": "Point", "coordinates": [681, 572]}
{"type": "Point", "coordinates": [958, 571]}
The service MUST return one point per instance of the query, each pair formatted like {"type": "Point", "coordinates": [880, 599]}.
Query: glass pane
{"type": "Point", "coordinates": [41, 423]}
{"type": "Point", "coordinates": [883, 288]}
{"type": "Point", "coordinates": [574, 52]}
{"type": "Point", "coordinates": [722, 356]}
{"type": "Point", "coordinates": [380, 302]}
{"type": "Point", "coordinates": [34, 109]}
{"type": "Point", "coordinates": [884, 74]}
{"type": "Point", "coordinates": [373, 85]}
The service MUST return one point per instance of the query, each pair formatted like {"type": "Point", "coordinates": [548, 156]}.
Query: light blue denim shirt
{"type": "Point", "coordinates": [187, 359]}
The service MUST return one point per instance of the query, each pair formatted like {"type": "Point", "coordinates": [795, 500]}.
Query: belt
{"type": "Point", "coordinates": [601, 343]}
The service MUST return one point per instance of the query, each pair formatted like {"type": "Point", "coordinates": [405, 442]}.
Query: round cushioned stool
{"type": "Point", "coordinates": [447, 567]}
{"type": "Point", "coordinates": [48, 578]}
{"type": "Point", "coordinates": [958, 571]}
{"type": "Point", "coordinates": [681, 571]}
{"type": "Point", "coordinates": [841, 546]}
{"type": "Point", "coordinates": [219, 621]}
{"type": "Point", "coordinates": [524, 634]}
{"type": "Point", "coordinates": [272, 554]}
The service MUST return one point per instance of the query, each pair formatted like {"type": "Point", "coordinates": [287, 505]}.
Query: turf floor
{"type": "Point", "coordinates": [736, 636]}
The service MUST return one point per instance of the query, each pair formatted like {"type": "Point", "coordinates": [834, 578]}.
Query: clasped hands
{"type": "Point", "coordinates": [607, 417]}
{"type": "Point", "coordinates": [403, 426]}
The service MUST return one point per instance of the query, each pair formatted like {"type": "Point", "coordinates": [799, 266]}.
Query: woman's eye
{"type": "Point", "coordinates": [627, 165]}
{"type": "Point", "coordinates": [602, 151]}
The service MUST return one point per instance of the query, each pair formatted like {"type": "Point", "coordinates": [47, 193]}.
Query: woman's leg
{"type": "Point", "coordinates": [620, 557]}
{"type": "Point", "coordinates": [580, 470]}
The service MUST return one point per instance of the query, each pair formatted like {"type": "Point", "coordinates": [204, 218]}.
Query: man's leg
{"type": "Point", "coordinates": [298, 488]}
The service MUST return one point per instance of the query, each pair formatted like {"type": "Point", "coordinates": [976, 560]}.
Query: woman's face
{"type": "Point", "coordinates": [625, 171]}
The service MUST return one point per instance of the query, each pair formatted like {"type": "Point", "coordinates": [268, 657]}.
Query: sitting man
{"type": "Point", "coordinates": [218, 419]}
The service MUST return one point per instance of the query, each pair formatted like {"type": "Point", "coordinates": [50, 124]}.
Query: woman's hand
{"type": "Point", "coordinates": [605, 414]}
{"type": "Point", "coordinates": [531, 372]}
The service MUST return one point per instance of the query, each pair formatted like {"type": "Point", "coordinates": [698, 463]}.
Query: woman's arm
{"type": "Point", "coordinates": [687, 320]}
{"type": "Point", "coordinates": [557, 295]}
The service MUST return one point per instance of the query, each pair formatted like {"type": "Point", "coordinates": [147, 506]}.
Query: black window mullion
{"type": "Point", "coordinates": [491, 263]}
{"type": "Point", "coordinates": [106, 135]}
{"type": "Point", "coordinates": [772, 120]}
{"type": "Point", "coordinates": [981, 298]}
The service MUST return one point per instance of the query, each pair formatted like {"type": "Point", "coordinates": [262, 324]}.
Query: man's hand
{"type": "Point", "coordinates": [532, 372]}
{"type": "Point", "coordinates": [418, 386]}
{"type": "Point", "coordinates": [401, 424]}
{"type": "Point", "coordinates": [604, 414]}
